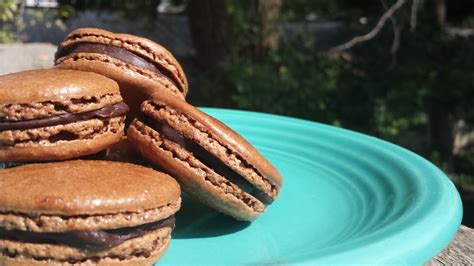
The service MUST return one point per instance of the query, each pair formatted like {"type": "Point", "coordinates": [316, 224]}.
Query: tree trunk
{"type": "Point", "coordinates": [209, 26]}
{"type": "Point", "coordinates": [441, 125]}
{"type": "Point", "coordinates": [213, 34]}
{"type": "Point", "coordinates": [441, 131]}
{"type": "Point", "coordinates": [440, 12]}
{"type": "Point", "coordinates": [268, 12]}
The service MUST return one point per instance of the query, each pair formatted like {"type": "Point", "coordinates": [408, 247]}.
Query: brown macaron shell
{"type": "Point", "coordinates": [78, 195]}
{"type": "Point", "coordinates": [215, 138]}
{"type": "Point", "coordinates": [84, 195]}
{"type": "Point", "coordinates": [136, 83]}
{"type": "Point", "coordinates": [194, 177]}
{"type": "Point", "coordinates": [42, 85]}
{"type": "Point", "coordinates": [138, 45]}
{"type": "Point", "coordinates": [31, 96]}
{"type": "Point", "coordinates": [192, 122]}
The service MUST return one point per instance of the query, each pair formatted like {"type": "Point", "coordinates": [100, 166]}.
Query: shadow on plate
{"type": "Point", "coordinates": [196, 220]}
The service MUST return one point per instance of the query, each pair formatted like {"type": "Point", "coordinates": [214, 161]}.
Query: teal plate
{"type": "Point", "coordinates": [346, 198]}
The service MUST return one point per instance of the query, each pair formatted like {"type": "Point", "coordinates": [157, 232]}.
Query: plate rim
{"type": "Point", "coordinates": [447, 225]}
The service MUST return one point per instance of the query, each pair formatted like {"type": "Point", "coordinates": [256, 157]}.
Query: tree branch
{"type": "Point", "coordinates": [371, 34]}
{"type": "Point", "coordinates": [396, 30]}
{"type": "Point", "coordinates": [19, 21]}
{"type": "Point", "coordinates": [269, 14]}
{"type": "Point", "coordinates": [414, 12]}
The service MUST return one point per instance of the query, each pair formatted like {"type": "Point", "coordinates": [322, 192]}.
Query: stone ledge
{"type": "Point", "coordinates": [25, 56]}
{"type": "Point", "coordinates": [459, 252]}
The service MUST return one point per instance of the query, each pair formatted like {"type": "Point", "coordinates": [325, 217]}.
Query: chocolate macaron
{"type": "Point", "coordinates": [210, 161]}
{"type": "Point", "coordinates": [140, 66]}
{"type": "Point", "coordinates": [54, 114]}
{"type": "Point", "coordinates": [85, 212]}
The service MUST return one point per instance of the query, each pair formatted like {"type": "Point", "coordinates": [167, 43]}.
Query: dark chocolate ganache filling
{"type": "Point", "coordinates": [108, 111]}
{"type": "Point", "coordinates": [87, 240]}
{"type": "Point", "coordinates": [119, 53]}
{"type": "Point", "coordinates": [209, 159]}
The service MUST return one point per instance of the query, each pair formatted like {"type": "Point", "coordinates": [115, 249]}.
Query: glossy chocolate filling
{"type": "Point", "coordinates": [209, 160]}
{"type": "Point", "coordinates": [119, 53]}
{"type": "Point", "coordinates": [87, 240]}
{"type": "Point", "coordinates": [108, 111]}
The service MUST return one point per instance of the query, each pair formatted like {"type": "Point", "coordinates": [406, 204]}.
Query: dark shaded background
{"type": "Point", "coordinates": [411, 84]}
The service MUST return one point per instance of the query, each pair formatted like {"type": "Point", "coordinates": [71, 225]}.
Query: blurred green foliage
{"type": "Point", "coordinates": [14, 18]}
{"type": "Point", "coordinates": [373, 92]}
{"type": "Point", "coordinates": [430, 67]}
{"type": "Point", "coordinates": [8, 11]}
{"type": "Point", "coordinates": [296, 10]}
{"type": "Point", "coordinates": [287, 83]}
{"type": "Point", "coordinates": [130, 9]}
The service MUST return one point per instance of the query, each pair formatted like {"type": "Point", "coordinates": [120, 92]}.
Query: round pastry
{"type": "Point", "coordinates": [85, 212]}
{"type": "Point", "coordinates": [209, 160]}
{"type": "Point", "coordinates": [140, 66]}
{"type": "Point", "coordinates": [54, 114]}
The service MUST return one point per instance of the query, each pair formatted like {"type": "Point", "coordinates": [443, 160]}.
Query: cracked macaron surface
{"type": "Point", "coordinates": [48, 115]}
{"type": "Point", "coordinates": [140, 66]}
{"type": "Point", "coordinates": [85, 212]}
{"type": "Point", "coordinates": [211, 161]}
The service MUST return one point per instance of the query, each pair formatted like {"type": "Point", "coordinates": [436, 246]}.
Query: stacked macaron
{"type": "Point", "coordinates": [85, 212]}
{"type": "Point", "coordinates": [210, 160]}
{"type": "Point", "coordinates": [101, 212]}
{"type": "Point", "coordinates": [48, 115]}
{"type": "Point", "coordinates": [140, 66]}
